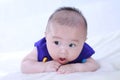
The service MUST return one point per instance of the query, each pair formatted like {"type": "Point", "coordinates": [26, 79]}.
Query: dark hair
{"type": "Point", "coordinates": [72, 9]}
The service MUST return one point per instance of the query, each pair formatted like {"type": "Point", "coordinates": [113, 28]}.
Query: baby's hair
{"type": "Point", "coordinates": [69, 16]}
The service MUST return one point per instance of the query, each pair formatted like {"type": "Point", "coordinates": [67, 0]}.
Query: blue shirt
{"type": "Point", "coordinates": [86, 52]}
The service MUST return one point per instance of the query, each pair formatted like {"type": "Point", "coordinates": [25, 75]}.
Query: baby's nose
{"type": "Point", "coordinates": [63, 52]}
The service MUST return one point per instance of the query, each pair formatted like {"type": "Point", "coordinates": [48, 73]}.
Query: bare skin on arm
{"type": "Point", "coordinates": [31, 65]}
{"type": "Point", "coordinates": [89, 65]}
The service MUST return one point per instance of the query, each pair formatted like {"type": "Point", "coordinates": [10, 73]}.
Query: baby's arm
{"type": "Point", "coordinates": [88, 66]}
{"type": "Point", "coordinates": [31, 65]}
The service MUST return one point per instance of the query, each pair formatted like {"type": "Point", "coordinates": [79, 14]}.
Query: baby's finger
{"type": "Point", "coordinates": [61, 71]}
{"type": "Point", "coordinates": [57, 64]}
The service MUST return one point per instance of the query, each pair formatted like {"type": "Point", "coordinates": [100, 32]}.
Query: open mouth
{"type": "Point", "coordinates": [62, 60]}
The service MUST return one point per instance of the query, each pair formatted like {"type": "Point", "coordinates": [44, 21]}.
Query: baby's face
{"type": "Point", "coordinates": [65, 43]}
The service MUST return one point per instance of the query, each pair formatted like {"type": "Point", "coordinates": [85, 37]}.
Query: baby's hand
{"type": "Point", "coordinates": [65, 69]}
{"type": "Point", "coordinates": [51, 66]}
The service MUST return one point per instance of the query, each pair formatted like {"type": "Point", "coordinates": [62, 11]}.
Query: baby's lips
{"type": "Point", "coordinates": [62, 59]}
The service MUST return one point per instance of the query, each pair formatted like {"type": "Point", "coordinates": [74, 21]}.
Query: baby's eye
{"type": "Point", "coordinates": [56, 42]}
{"type": "Point", "coordinates": [72, 45]}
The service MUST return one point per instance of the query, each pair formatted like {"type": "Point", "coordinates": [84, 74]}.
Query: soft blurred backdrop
{"type": "Point", "coordinates": [23, 22]}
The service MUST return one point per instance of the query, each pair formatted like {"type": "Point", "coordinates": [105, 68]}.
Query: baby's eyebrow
{"type": "Point", "coordinates": [56, 37]}
{"type": "Point", "coordinates": [74, 40]}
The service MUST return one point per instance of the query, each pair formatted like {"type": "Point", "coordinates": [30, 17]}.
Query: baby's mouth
{"type": "Point", "coordinates": [62, 60]}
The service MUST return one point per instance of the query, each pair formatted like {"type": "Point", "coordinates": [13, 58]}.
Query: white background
{"type": "Point", "coordinates": [23, 22]}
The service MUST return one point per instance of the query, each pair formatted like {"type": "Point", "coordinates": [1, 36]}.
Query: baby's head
{"type": "Point", "coordinates": [66, 33]}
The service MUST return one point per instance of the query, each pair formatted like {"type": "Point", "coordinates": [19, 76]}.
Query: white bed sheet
{"type": "Point", "coordinates": [107, 49]}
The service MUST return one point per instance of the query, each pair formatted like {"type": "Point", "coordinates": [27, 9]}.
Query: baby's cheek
{"type": "Point", "coordinates": [73, 57]}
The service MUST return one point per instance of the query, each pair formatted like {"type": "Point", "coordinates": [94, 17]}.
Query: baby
{"type": "Point", "coordinates": [63, 49]}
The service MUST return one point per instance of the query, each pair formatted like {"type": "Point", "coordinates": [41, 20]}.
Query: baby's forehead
{"type": "Point", "coordinates": [57, 26]}
{"type": "Point", "coordinates": [65, 28]}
